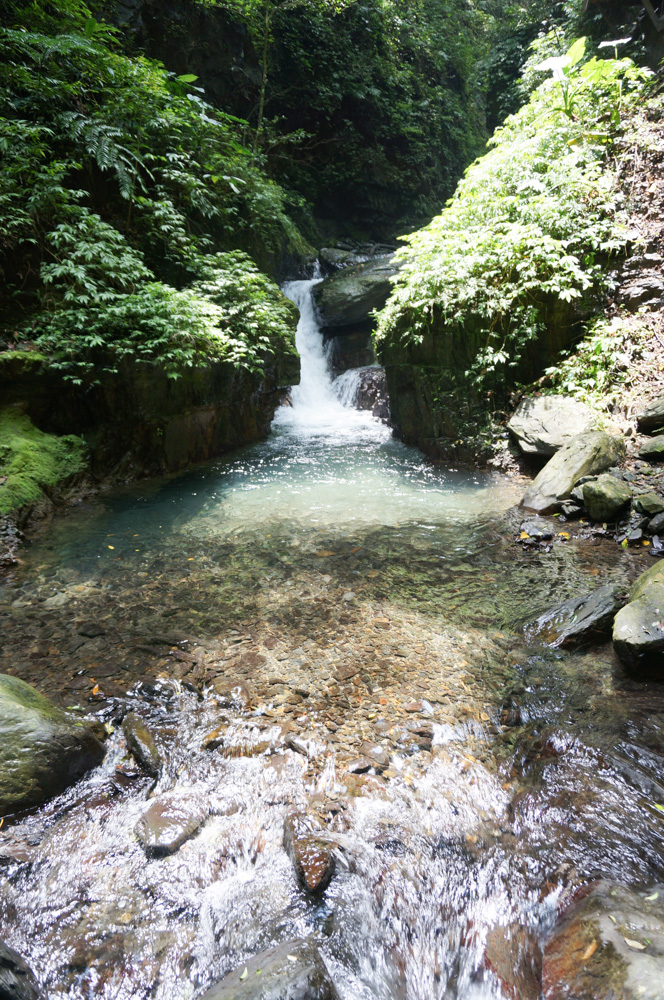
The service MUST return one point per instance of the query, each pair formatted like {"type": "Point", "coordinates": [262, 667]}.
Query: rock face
{"type": "Point", "coordinates": [292, 971]}
{"type": "Point", "coordinates": [312, 857]}
{"type": "Point", "coordinates": [543, 424]}
{"type": "Point", "coordinates": [170, 820]}
{"type": "Point", "coordinates": [638, 630]}
{"type": "Point", "coordinates": [653, 450]}
{"type": "Point", "coordinates": [42, 748]}
{"type": "Point", "coordinates": [348, 297]}
{"type": "Point", "coordinates": [649, 504]}
{"type": "Point", "coordinates": [585, 455]}
{"type": "Point", "coordinates": [652, 418]}
{"type": "Point", "coordinates": [16, 979]}
{"type": "Point", "coordinates": [582, 619]}
{"type": "Point", "coordinates": [608, 946]}
{"type": "Point", "coordinates": [605, 497]}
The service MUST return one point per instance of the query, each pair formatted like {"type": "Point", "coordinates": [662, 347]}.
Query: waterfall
{"type": "Point", "coordinates": [346, 386]}
{"type": "Point", "coordinates": [321, 406]}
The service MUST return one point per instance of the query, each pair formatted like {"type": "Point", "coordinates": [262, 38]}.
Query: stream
{"type": "Point", "coordinates": [324, 624]}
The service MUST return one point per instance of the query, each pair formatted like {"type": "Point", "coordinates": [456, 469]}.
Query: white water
{"type": "Point", "coordinates": [346, 386]}
{"type": "Point", "coordinates": [317, 411]}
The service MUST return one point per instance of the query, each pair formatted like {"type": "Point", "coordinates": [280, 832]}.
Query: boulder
{"type": "Point", "coordinates": [291, 971]}
{"type": "Point", "coordinates": [537, 528]}
{"type": "Point", "coordinates": [543, 424]}
{"type": "Point", "coordinates": [17, 981]}
{"type": "Point", "coordinates": [641, 290]}
{"type": "Point", "coordinates": [142, 744]}
{"type": "Point", "coordinates": [170, 820]}
{"type": "Point", "coordinates": [653, 450]}
{"type": "Point", "coordinates": [43, 749]}
{"type": "Point", "coordinates": [312, 857]}
{"type": "Point", "coordinates": [605, 497]}
{"type": "Point", "coordinates": [649, 504]}
{"type": "Point", "coordinates": [582, 619]}
{"type": "Point", "coordinates": [608, 945]}
{"type": "Point", "coordinates": [652, 417]}
{"type": "Point", "coordinates": [349, 297]}
{"type": "Point", "coordinates": [585, 455]}
{"type": "Point", "coordinates": [638, 630]}
{"type": "Point", "coordinates": [656, 524]}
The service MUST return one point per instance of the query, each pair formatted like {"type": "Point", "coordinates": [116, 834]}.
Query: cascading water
{"type": "Point", "coordinates": [328, 625]}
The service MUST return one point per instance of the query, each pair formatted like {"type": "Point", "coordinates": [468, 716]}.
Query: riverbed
{"type": "Point", "coordinates": [327, 623]}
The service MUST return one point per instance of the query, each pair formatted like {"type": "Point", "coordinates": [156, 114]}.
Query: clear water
{"type": "Point", "coordinates": [358, 592]}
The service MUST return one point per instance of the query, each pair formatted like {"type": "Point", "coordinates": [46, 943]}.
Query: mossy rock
{"type": "Point", "coordinates": [32, 461]}
{"type": "Point", "coordinates": [43, 749]}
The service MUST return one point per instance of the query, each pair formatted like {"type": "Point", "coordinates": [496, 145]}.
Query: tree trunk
{"type": "Point", "coordinates": [261, 102]}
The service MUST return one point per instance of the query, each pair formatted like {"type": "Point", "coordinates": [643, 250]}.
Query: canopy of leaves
{"type": "Point", "coordinates": [528, 225]}
{"type": "Point", "coordinates": [126, 202]}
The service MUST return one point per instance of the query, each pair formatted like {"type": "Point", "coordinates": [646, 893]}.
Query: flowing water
{"type": "Point", "coordinates": [324, 623]}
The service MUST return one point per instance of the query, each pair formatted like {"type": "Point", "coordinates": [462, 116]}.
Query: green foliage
{"type": "Point", "coordinates": [121, 189]}
{"type": "Point", "coordinates": [528, 227]}
{"type": "Point", "coordinates": [602, 364]}
{"type": "Point", "coordinates": [31, 461]}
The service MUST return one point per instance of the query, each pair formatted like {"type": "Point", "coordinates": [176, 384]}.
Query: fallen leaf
{"type": "Point", "coordinates": [111, 546]}
{"type": "Point", "coordinates": [635, 944]}
{"type": "Point", "coordinates": [563, 534]}
{"type": "Point", "coordinates": [590, 951]}
{"type": "Point", "coordinates": [95, 689]}
{"type": "Point", "coordinates": [524, 534]}
{"type": "Point", "coordinates": [244, 974]}
{"type": "Point", "coordinates": [649, 899]}
{"type": "Point", "coordinates": [292, 958]}
{"type": "Point", "coordinates": [658, 807]}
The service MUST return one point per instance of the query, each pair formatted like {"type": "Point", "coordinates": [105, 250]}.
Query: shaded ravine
{"type": "Point", "coordinates": [324, 601]}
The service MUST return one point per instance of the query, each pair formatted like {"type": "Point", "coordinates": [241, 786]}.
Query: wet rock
{"type": "Point", "coordinates": [605, 497]}
{"type": "Point", "coordinates": [17, 981]}
{"type": "Point", "coordinates": [653, 450]}
{"type": "Point", "coordinates": [349, 297]}
{"type": "Point", "coordinates": [170, 820]}
{"type": "Point", "coordinates": [652, 417]}
{"type": "Point", "coordinates": [607, 946]}
{"type": "Point", "coordinates": [585, 455]}
{"type": "Point", "coordinates": [291, 971]}
{"type": "Point", "coordinates": [638, 630]}
{"type": "Point", "coordinates": [538, 529]}
{"type": "Point", "coordinates": [312, 858]}
{"type": "Point", "coordinates": [514, 956]}
{"type": "Point", "coordinates": [232, 693]}
{"type": "Point", "coordinates": [377, 754]}
{"type": "Point", "coordinates": [543, 424]}
{"type": "Point", "coordinates": [582, 619]}
{"type": "Point", "coordinates": [142, 744]}
{"type": "Point", "coordinates": [649, 504]}
{"type": "Point", "coordinates": [656, 524]}
{"type": "Point", "coordinates": [359, 765]}
{"type": "Point", "coordinates": [43, 749]}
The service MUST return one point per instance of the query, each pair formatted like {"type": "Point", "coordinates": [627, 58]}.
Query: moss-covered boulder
{"type": "Point", "coordinates": [43, 749]}
{"type": "Point", "coordinates": [606, 497]}
{"type": "Point", "coordinates": [32, 462]}
{"type": "Point", "coordinates": [349, 297]}
{"type": "Point", "coordinates": [638, 630]}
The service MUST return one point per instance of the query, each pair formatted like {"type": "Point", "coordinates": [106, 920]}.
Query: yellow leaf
{"type": "Point", "coordinates": [95, 689]}
{"type": "Point", "coordinates": [635, 944]}
{"type": "Point", "coordinates": [324, 553]}
{"type": "Point", "coordinates": [111, 546]}
{"type": "Point", "coordinates": [649, 899]}
{"type": "Point", "coordinates": [524, 534]}
{"type": "Point", "coordinates": [590, 951]}
{"type": "Point", "coordinates": [245, 973]}
{"type": "Point", "coordinates": [563, 534]}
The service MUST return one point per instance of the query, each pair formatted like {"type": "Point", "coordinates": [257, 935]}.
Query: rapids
{"type": "Point", "coordinates": [323, 622]}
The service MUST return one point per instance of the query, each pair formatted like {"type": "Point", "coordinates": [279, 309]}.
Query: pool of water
{"type": "Point", "coordinates": [354, 599]}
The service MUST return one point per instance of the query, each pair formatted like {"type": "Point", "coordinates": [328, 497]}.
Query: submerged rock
{"type": "Point", "coordinates": [581, 619]}
{"type": "Point", "coordinates": [638, 630]}
{"type": "Point", "coordinates": [652, 417]}
{"type": "Point", "coordinates": [349, 297]}
{"type": "Point", "coordinates": [170, 820]}
{"type": "Point", "coordinates": [142, 744]}
{"type": "Point", "coordinates": [17, 981]}
{"type": "Point", "coordinates": [653, 450]}
{"type": "Point", "coordinates": [607, 946]}
{"type": "Point", "coordinates": [312, 857]}
{"type": "Point", "coordinates": [605, 497]}
{"type": "Point", "coordinates": [543, 424]}
{"type": "Point", "coordinates": [291, 971]}
{"type": "Point", "coordinates": [514, 956]}
{"type": "Point", "coordinates": [42, 748]}
{"type": "Point", "coordinates": [585, 455]}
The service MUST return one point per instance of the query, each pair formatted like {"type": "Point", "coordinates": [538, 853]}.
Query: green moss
{"type": "Point", "coordinates": [14, 364]}
{"type": "Point", "coordinates": [32, 461]}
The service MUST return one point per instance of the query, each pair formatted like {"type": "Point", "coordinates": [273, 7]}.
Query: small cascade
{"type": "Point", "coordinates": [347, 385]}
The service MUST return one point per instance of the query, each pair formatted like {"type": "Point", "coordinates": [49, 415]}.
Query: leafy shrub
{"type": "Point", "coordinates": [528, 226]}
